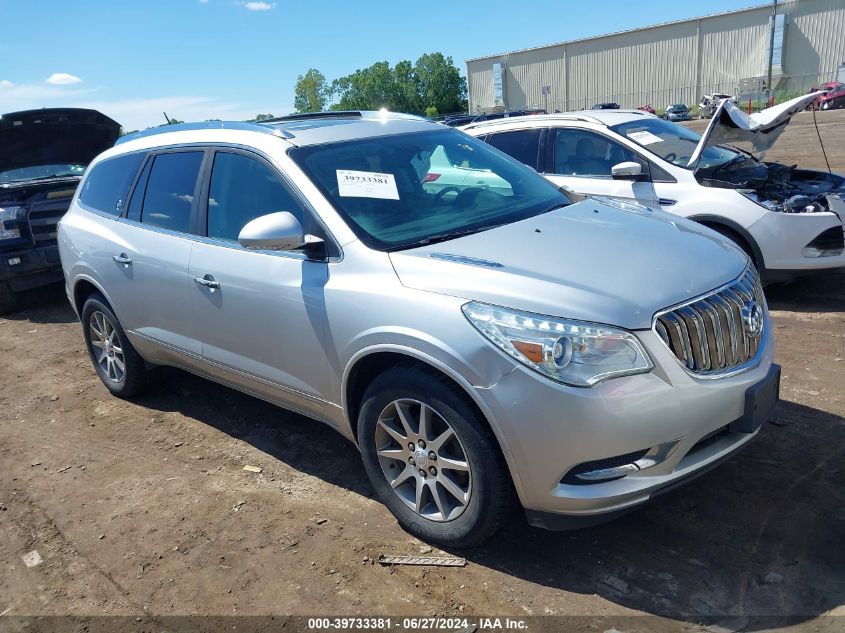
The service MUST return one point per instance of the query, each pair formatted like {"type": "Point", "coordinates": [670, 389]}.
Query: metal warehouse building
{"type": "Point", "coordinates": [671, 63]}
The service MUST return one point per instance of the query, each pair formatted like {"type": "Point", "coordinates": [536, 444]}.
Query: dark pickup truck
{"type": "Point", "coordinates": [43, 154]}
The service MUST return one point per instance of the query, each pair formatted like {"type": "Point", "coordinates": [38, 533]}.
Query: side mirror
{"type": "Point", "coordinates": [629, 170]}
{"type": "Point", "coordinates": [273, 232]}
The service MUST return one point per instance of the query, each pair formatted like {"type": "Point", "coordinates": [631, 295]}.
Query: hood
{"type": "Point", "coordinates": [761, 129]}
{"type": "Point", "coordinates": [589, 261]}
{"type": "Point", "coordinates": [54, 136]}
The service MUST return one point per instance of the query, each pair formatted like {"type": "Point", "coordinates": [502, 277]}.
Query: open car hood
{"type": "Point", "coordinates": [761, 129]}
{"type": "Point", "coordinates": [54, 136]}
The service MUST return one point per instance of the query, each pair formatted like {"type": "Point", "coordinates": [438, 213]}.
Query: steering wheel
{"type": "Point", "coordinates": [438, 197]}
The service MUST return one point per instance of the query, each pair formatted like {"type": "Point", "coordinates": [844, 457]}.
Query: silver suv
{"type": "Point", "coordinates": [478, 342]}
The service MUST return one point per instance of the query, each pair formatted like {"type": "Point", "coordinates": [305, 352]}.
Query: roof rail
{"type": "Point", "coordinates": [535, 117]}
{"type": "Point", "coordinates": [204, 125]}
{"type": "Point", "coordinates": [326, 114]}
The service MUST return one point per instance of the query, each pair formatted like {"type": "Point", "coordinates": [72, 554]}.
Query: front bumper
{"type": "Point", "coordinates": [783, 238]}
{"type": "Point", "coordinates": [549, 429]}
{"type": "Point", "coordinates": [29, 268]}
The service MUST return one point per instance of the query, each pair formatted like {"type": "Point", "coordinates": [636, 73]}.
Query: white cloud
{"type": "Point", "coordinates": [135, 114]}
{"type": "Point", "coordinates": [132, 114]}
{"type": "Point", "coordinates": [259, 6]}
{"type": "Point", "coordinates": [63, 79]}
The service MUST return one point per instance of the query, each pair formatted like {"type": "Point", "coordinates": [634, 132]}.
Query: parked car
{"type": "Point", "coordinates": [471, 342]}
{"type": "Point", "coordinates": [647, 108]}
{"type": "Point", "coordinates": [456, 121]}
{"type": "Point", "coordinates": [789, 220]}
{"type": "Point", "coordinates": [606, 106]}
{"type": "Point", "coordinates": [833, 98]}
{"type": "Point", "coordinates": [43, 154]}
{"type": "Point", "coordinates": [708, 104]}
{"type": "Point", "coordinates": [677, 112]}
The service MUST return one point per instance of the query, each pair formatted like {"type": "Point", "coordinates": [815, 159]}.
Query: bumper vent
{"type": "Point", "coordinates": [718, 334]}
{"type": "Point", "coordinates": [832, 239]}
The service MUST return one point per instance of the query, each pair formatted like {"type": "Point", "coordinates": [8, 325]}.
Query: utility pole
{"type": "Point", "coordinates": [771, 50]}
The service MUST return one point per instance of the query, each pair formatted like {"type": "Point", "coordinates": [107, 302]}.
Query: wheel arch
{"type": "Point", "coordinates": [370, 362]}
{"type": "Point", "coordinates": [83, 287]}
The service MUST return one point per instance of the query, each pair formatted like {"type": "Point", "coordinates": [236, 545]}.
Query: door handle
{"type": "Point", "coordinates": [122, 259]}
{"type": "Point", "coordinates": [208, 282]}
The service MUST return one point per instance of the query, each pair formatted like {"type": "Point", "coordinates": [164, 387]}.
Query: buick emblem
{"type": "Point", "coordinates": [752, 318]}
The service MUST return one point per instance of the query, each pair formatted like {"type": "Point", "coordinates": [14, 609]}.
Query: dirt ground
{"type": "Point", "coordinates": [799, 143]}
{"type": "Point", "coordinates": [143, 508]}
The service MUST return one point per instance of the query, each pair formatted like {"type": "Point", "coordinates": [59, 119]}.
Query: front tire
{"type": "Point", "coordinates": [119, 366]}
{"type": "Point", "coordinates": [431, 459]}
{"type": "Point", "coordinates": [8, 299]}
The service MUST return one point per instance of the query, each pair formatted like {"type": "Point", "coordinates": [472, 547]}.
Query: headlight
{"type": "Point", "coordinates": [9, 217]}
{"type": "Point", "coordinates": [795, 204]}
{"type": "Point", "coordinates": [572, 352]}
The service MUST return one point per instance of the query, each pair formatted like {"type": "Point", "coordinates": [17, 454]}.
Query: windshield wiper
{"type": "Point", "coordinates": [728, 163]}
{"type": "Point", "coordinates": [442, 237]}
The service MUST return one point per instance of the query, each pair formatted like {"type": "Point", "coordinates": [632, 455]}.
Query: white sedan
{"type": "Point", "coordinates": [788, 220]}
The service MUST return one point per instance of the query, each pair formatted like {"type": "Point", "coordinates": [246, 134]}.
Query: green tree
{"type": "Point", "coordinates": [261, 117]}
{"type": "Point", "coordinates": [431, 112]}
{"type": "Point", "coordinates": [432, 84]}
{"type": "Point", "coordinates": [440, 84]}
{"type": "Point", "coordinates": [311, 92]}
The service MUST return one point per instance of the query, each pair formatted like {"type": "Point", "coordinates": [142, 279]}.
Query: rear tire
{"type": "Point", "coordinates": [465, 492]}
{"type": "Point", "coordinates": [8, 299]}
{"type": "Point", "coordinates": [116, 362]}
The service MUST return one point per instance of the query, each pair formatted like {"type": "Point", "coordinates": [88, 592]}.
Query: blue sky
{"type": "Point", "coordinates": [231, 59]}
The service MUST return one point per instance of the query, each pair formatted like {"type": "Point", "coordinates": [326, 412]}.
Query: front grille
{"type": "Point", "coordinates": [43, 221]}
{"type": "Point", "coordinates": [716, 334]}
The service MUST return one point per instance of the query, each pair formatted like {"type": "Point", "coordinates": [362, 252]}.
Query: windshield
{"type": "Point", "coordinates": [41, 171]}
{"type": "Point", "coordinates": [672, 142]}
{"type": "Point", "coordinates": [411, 189]}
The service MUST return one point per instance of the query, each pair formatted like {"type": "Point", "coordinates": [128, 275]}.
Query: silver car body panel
{"type": "Point", "coordinates": [293, 331]}
{"type": "Point", "coordinates": [589, 257]}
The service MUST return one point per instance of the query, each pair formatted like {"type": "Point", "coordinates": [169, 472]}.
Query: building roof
{"type": "Point", "coordinates": [597, 37]}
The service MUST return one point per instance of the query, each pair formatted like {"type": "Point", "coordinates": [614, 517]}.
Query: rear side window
{"type": "Point", "coordinates": [523, 145]}
{"type": "Point", "coordinates": [107, 185]}
{"type": "Point", "coordinates": [243, 189]}
{"type": "Point", "coordinates": [169, 197]}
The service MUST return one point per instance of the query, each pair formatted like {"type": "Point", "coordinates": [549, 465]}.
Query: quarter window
{"type": "Point", "coordinates": [107, 185]}
{"type": "Point", "coordinates": [583, 153]}
{"type": "Point", "coordinates": [169, 196]}
{"type": "Point", "coordinates": [243, 189]}
{"type": "Point", "coordinates": [523, 145]}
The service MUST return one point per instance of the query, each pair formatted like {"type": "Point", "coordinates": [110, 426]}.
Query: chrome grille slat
{"type": "Point", "coordinates": [709, 335]}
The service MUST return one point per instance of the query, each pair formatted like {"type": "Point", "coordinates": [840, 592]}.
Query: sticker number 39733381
{"type": "Point", "coordinates": [366, 184]}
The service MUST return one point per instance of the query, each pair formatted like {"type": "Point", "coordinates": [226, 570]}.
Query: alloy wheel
{"type": "Point", "coordinates": [423, 460]}
{"type": "Point", "coordinates": [106, 346]}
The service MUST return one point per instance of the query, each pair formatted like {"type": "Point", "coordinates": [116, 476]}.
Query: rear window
{"type": "Point", "coordinates": [107, 184]}
{"type": "Point", "coordinates": [169, 197]}
{"type": "Point", "coordinates": [523, 145]}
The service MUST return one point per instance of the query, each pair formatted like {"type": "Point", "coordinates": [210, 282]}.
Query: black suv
{"type": "Point", "coordinates": [43, 154]}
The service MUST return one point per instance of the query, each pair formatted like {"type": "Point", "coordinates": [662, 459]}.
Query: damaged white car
{"type": "Point", "coordinates": [788, 220]}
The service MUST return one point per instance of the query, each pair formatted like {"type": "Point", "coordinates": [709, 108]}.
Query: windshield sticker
{"type": "Point", "coordinates": [366, 184]}
{"type": "Point", "coordinates": [644, 137]}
